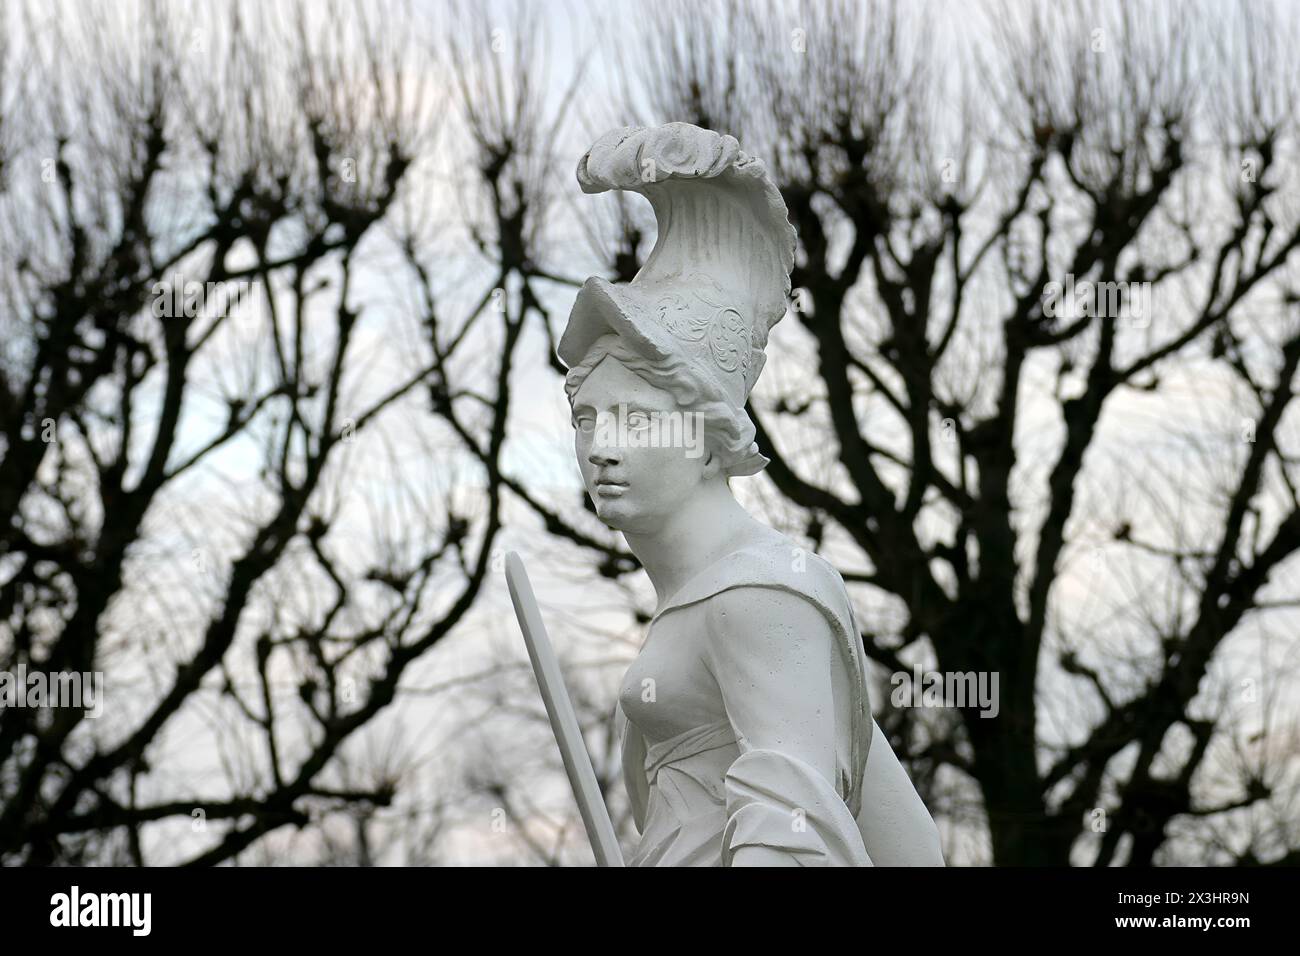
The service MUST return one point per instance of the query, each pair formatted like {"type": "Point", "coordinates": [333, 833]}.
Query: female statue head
{"type": "Point", "coordinates": [661, 367]}
{"type": "Point", "coordinates": [647, 433]}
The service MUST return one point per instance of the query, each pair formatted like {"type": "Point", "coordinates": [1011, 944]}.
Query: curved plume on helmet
{"type": "Point", "coordinates": [718, 277]}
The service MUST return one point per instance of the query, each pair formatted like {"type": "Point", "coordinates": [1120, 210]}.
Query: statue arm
{"type": "Point", "coordinates": [771, 653]}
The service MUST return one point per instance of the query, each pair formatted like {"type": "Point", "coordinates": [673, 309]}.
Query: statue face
{"type": "Point", "coordinates": [640, 453]}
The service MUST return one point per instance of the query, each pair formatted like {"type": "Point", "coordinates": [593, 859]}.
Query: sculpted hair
{"type": "Point", "coordinates": [728, 432]}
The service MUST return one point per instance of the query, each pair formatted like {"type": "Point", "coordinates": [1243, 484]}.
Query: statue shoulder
{"type": "Point", "coordinates": [792, 574]}
{"type": "Point", "coordinates": [782, 559]}
{"type": "Point", "coordinates": [756, 614]}
{"type": "Point", "coordinates": [784, 564]}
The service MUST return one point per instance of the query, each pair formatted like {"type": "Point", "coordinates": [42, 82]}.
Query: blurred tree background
{"type": "Point", "coordinates": [1033, 398]}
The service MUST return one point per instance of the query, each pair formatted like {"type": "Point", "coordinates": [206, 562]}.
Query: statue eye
{"type": "Point", "coordinates": [585, 424]}
{"type": "Point", "coordinates": [638, 421]}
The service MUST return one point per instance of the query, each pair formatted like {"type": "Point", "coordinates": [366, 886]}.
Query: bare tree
{"type": "Point", "coordinates": [195, 212]}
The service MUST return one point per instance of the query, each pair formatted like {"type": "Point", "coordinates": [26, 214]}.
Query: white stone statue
{"type": "Point", "coordinates": [747, 734]}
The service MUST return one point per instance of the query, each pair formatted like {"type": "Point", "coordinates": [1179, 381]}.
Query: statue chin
{"type": "Point", "coordinates": [619, 514]}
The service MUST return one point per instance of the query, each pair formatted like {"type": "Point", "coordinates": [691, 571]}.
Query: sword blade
{"type": "Point", "coordinates": [564, 722]}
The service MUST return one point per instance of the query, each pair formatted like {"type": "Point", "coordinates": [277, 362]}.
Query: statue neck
{"type": "Point", "coordinates": [710, 525]}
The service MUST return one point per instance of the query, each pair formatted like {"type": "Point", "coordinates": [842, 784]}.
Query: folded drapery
{"type": "Point", "coordinates": [776, 802]}
{"type": "Point", "coordinates": [710, 804]}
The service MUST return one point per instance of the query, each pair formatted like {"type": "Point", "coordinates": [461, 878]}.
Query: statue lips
{"type": "Point", "coordinates": [608, 487]}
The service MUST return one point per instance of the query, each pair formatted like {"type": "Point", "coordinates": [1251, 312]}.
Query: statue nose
{"type": "Point", "coordinates": [605, 455]}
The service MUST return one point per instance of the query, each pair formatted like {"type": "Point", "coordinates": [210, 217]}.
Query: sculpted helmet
{"type": "Point", "coordinates": [718, 277]}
